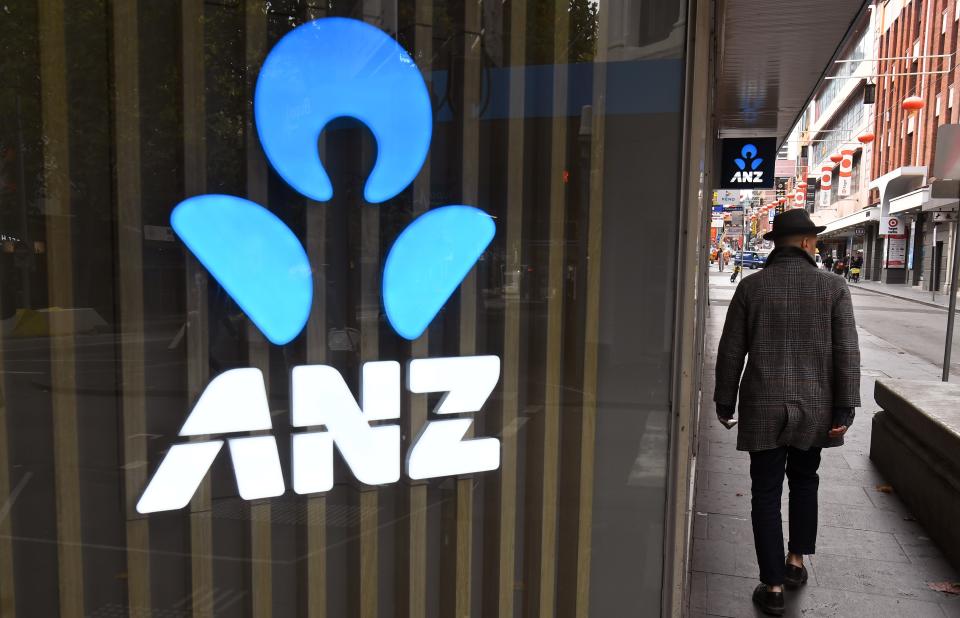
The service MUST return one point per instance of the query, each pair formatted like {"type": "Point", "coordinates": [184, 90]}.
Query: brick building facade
{"type": "Point", "coordinates": [916, 45]}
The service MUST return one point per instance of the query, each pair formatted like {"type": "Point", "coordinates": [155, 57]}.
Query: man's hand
{"type": "Point", "coordinates": [725, 415]}
{"type": "Point", "coordinates": [842, 418]}
{"type": "Point", "coordinates": [837, 432]}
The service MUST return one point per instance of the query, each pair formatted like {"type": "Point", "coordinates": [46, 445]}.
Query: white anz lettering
{"type": "Point", "coordinates": [440, 449]}
{"type": "Point", "coordinates": [236, 401]}
{"type": "Point", "coordinates": [748, 176]}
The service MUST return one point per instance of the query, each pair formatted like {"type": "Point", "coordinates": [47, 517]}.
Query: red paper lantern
{"type": "Point", "coordinates": [866, 138]}
{"type": "Point", "coordinates": [912, 104]}
{"type": "Point", "coordinates": [836, 158]}
{"type": "Point", "coordinates": [801, 185]}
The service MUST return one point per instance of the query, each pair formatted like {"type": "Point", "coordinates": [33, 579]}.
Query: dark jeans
{"type": "Point", "coordinates": [766, 474]}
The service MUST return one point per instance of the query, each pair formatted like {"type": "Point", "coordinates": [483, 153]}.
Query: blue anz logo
{"type": "Point", "coordinates": [751, 160]}
{"type": "Point", "coordinates": [320, 71]}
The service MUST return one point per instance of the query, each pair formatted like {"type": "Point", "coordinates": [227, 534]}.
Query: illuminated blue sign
{"type": "Point", "coordinates": [320, 71]}
{"type": "Point", "coordinates": [335, 67]}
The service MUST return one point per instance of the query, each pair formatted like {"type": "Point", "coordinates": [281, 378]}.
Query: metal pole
{"type": "Point", "coordinates": [933, 264]}
{"type": "Point", "coordinates": [952, 312]}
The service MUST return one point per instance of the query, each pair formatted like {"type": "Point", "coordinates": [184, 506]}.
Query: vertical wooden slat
{"type": "Point", "coordinates": [416, 544]}
{"type": "Point", "coordinates": [317, 354]}
{"type": "Point", "coordinates": [126, 68]}
{"type": "Point", "coordinates": [382, 14]}
{"type": "Point", "coordinates": [7, 592]}
{"type": "Point", "coordinates": [588, 420]}
{"type": "Point", "coordinates": [511, 328]}
{"type": "Point", "coordinates": [195, 181]}
{"type": "Point", "coordinates": [470, 172]}
{"type": "Point", "coordinates": [369, 349]}
{"type": "Point", "coordinates": [258, 352]}
{"type": "Point", "coordinates": [59, 247]}
{"type": "Point", "coordinates": [555, 298]}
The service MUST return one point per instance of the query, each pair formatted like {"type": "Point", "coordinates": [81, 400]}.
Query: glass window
{"type": "Point", "coordinates": [564, 132]}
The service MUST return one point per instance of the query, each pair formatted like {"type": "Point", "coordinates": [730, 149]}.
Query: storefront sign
{"type": "Point", "coordinates": [726, 197]}
{"type": "Point", "coordinates": [748, 163]}
{"type": "Point", "coordinates": [891, 226]}
{"type": "Point", "coordinates": [845, 176]}
{"type": "Point", "coordinates": [896, 251]}
{"type": "Point", "coordinates": [322, 70]}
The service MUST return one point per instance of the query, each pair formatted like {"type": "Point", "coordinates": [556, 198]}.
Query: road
{"type": "Point", "coordinates": [916, 329]}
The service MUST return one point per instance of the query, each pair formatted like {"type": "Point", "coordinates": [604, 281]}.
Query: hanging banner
{"type": "Point", "coordinates": [799, 197]}
{"type": "Point", "coordinates": [826, 183]}
{"type": "Point", "coordinates": [846, 172]}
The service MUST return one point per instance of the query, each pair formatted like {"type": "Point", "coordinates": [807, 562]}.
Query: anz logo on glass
{"type": "Point", "coordinates": [322, 70]}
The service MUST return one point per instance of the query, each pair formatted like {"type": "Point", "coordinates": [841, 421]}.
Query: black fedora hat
{"type": "Point", "coordinates": [792, 222]}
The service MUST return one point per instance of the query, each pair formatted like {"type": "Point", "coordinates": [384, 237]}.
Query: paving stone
{"type": "Point", "coordinates": [735, 529]}
{"type": "Point", "coordinates": [730, 465]}
{"type": "Point", "coordinates": [725, 558]}
{"type": "Point", "coordinates": [835, 493]}
{"type": "Point", "coordinates": [886, 501]}
{"type": "Point", "coordinates": [919, 547]}
{"type": "Point", "coordinates": [878, 520]}
{"type": "Point", "coordinates": [726, 448]}
{"type": "Point", "coordinates": [725, 502]}
{"type": "Point", "coordinates": [699, 525]}
{"type": "Point", "coordinates": [720, 481]}
{"type": "Point", "coordinates": [858, 461]}
{"type": "Point", "coordinates": [698, 591]}
{"type": "Point", "coordinates": [951, 610]}
{"type": "Point", "coordinates": [730, 596]}
{"type": "Point", "coordinates": [877, 577]}
{"type": "Point", "coordinates": [859, 544]}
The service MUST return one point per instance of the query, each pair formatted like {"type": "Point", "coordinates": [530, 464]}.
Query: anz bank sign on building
{"type": "Point", "coordinates": [748, 163]}
{"type": "Point", "coordinates": [324, 70]}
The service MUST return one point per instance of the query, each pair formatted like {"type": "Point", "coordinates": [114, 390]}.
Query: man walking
{"type": "Point", "coordinates": [797, 395]}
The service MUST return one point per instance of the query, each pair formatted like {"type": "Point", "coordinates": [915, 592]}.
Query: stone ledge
{"type": "Point", "coordinates": [929, 410]}
{"type": "Point", "coordinates": [915, 443]}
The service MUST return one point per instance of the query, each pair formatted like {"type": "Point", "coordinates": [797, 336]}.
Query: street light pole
{"type": "Point", "coordinates": [952, 311]}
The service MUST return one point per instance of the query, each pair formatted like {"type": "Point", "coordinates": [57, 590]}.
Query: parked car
{"type": "Point", "coordinates": [750, 259]}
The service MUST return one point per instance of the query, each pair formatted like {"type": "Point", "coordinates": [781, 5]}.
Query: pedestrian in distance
{"type": "Point", "coordinates": [828, 263]}
{"type": "Point", "coordinates": [796, 396]}
{"type": "Point", "coordinates": [856, 266]}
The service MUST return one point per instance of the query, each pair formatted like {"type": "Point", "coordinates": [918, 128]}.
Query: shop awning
{"type": "Point", "coordinates": [846, 224]}
{"type": "Point", "coordinates": [909, 201]}
{"type": "Point", "coordinates": [772, 55]}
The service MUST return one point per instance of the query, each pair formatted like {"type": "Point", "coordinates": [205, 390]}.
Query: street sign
{"type": "Point", "coordinates": [718, 208]}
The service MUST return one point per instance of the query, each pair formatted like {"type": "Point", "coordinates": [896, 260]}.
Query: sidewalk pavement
{"type": "Point", "coordinates": [906, 292]}
{"type": "Point", "coordinates": [873, 559]}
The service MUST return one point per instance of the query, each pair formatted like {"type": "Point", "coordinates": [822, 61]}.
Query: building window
{"type": "Point", "coordinates": [943, 23]}
{"type": "Point", "coordinates": [936, 111]}
{"type": "Point", "coordinates": [950, 95]}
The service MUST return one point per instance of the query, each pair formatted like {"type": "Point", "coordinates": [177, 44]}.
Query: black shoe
{"type": "Point", "coordinates": [769, 602]}
{"type": "Point", "coordinates": [795, 575]}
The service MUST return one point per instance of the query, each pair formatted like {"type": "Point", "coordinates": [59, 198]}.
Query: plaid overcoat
{"type": "Point", "coordinates": [794, 324]}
